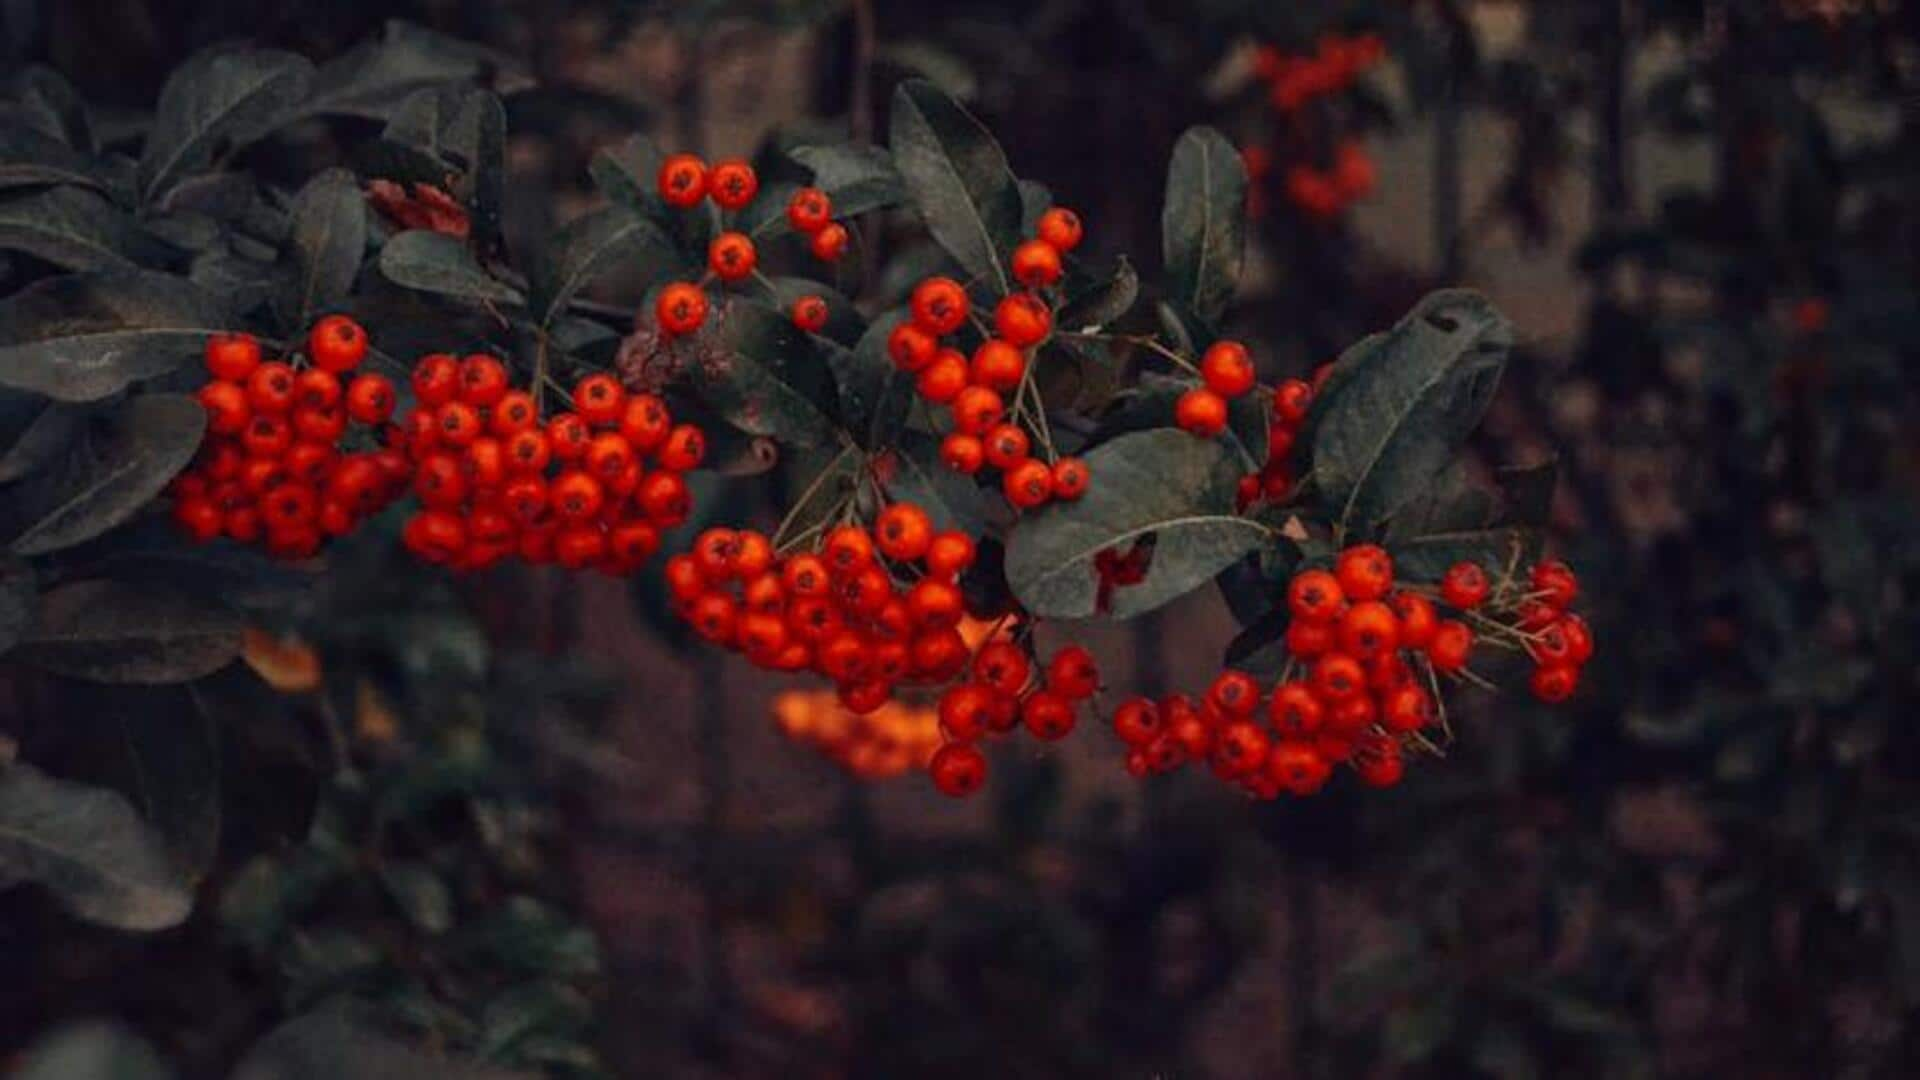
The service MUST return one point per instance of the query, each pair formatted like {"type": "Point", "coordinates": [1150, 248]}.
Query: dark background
{"type": "Point", "coordinates": [1705, 864]}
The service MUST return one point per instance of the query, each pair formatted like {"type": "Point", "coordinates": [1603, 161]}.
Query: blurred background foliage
{"type": "Point", "coordinates": [476, 817]}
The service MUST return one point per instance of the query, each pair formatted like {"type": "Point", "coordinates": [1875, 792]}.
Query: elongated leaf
{"type": "Point", "coordinates": [958, 178]}
{"type": "Point", "coordinates": [92, 1051]}
{"type": "Point", "coordinates": [821, 482]}
{"type": "Point", "coordinates": [857, 178]}
{"type": "Point", "coordinates": [41, 442]}
{"type": "Point", "coordinates": [1103, 302]}
{"type": "Point", "coordinates": [589, 246]}
{"type": "Point", "coordinates": [114, 632]}
{"type": "Point", "coordinates": [159, 747]}
{"type": "Point", "coordinates": [1457, 522]}
{"type": "Point", "coordinates": [47, 102]}
{"type": "Point", "coordinates": [875, 395]}
{"type": "Point", "coordinates": [437, 263]}
{"type": "Point", "coordinates": [328, 242]}
{"type": "Point", "coordinates": [625, 173]}
{"type": "Point", "coordinates": [420, 893]}
{"type": "Point", "coordinates": [77, 229]}
{"type": "Point", "coordinates": [83, 337]}
{"type": "Point", "coordinates": [917, 475]}
{"type": "Point", "coordinates": [373, 78]}
{"type": "Point", "coordinates": [87, 847]}
{"type": "Point", "coordinates": [1203, 224]}
{"type": "Point", "coordinates": [1404, 408]}
{"type": "Point", "coordinates": [152, 438]}
{"type": "Point", "coordinates": [466, 129]}
{"type": "Point", "coordinates": [1163, 483]}
{"type": "Point", "coordinates": [220, 97]}
{"type": "Point", "coordinates": [31, 157]}
{"type": "Point", "coordinates": [764, 378]}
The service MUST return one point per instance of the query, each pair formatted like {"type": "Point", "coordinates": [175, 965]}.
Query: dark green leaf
{"type": "Point", "coordinates": [588, 246]}
{"type": "Point", "coordinates": [1456, 522]}
{"type": "Point", "coordinates": [464, 128]}
{"type": "Point", "coordinates": [626, 171]}
{"type": "Point", "coordinates": [1404, 408]}
{"type": "Point", "coordinates": [326, 245]}
{"type": "Point", "coordinates": [1103, 302]}
{"type": "Point", "coordinates": [47, 102]}
{"type": "Point", "coordinates": [112, 632]}
{"type": "Point", "coordinates": [1203, 224]}
{"type": "Point", "coordinates": [373, 78]}
{"type": "Point", "coordinates": [856, 178]}
{"type": "Point", "coordinates": [1162, 483]}
{"type": "Point", "coordinates": [763, 376]}
{"type": "Point", "coordinates": [83, 337]}
{"type": "Point", "coordinates": [219, 99]}
{"type": "Point", "coordinates": [823, 481]}
{"type": "Point", "coordinates": [92, 1051]}
{"type": "Point", "coordinates": [77, 229]}
{"type": "Point", "coordinates": [42, 441]}
{"type": "Point", "coordinates": [159, 747]}
{"type": "Point", "coordinates": [88, 847]}
{"type": "Point", "coordinates": [152, 438]}
{"type": "Point", "coordinates": [437, 263]}
{"type": "Point", "coordinates": [958, 178]}
{"type": "Point", "coordinates": [875, 396]}
{"type": "Point", "coordinates": [29, 157]}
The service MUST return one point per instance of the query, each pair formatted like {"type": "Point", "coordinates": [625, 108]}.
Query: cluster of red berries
{"type": "Point", "coordinates": [1226, 372]}
{"type": "Point", "coordinates": [274, 468]}
{"type": "Point", "coordinates": [975, 391]}
{"type": "Point", "coordinates": [1274, 481]}
{"type": "Point", "coordinates": [1532, 609]}
{"type": "Point", "coordinates": [684, 182]}
{"type": "Point", "coordinates": [871, 610]}
{"type": "Point", "coordinates": [496, 478]}
{"type": "Point", "coordinates": [1362, 677]}
{"type": "Point", "coordinates": [1007, 688]}
{"type": "Point", "coordinates": [1293, 81]}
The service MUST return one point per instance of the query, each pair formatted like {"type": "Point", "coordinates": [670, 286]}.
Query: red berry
{"type": "Point", "coordinates": [1036, 264]}
{"type": "Point", "coordinates": [1061, 228]}
{"type": "Point", "coordinates": [232, 357]}
{"type": "Point", "coordinates": [1369, 629]}
{"type": "Point", "coordinates": [998, 365]}
{"type": "Point", "coordinates": [731, 256]}
{"type": "Point", "coordinates": [336, 344]}
{"type": "Point", "coordinates": [1227, 369]}
{"type": "Point", "coordinates": [1048, 714]}
{"type": "Point", "coordinates": [958, 770]}
{"type": "Point", "coordinates": [829, 243]}
{"type": "Point", "coordinates": [683, 181]}
{"type": "Point", "coordinates": [809, 210]}
{"type": "Point", "coordinates": [1234, 693]}
{"type": "Point", "coordinates": [1201, 412]}
{"type": "Point", "coordinates": [1073, 673]}
{"type": "Point", "coordinates": [1022, 319]}
{"type": "Point", "coordinates": [810, 313]}
{"type": "Point", "coordinates": [1365, 572]}
{"type": "Point", "coordinates": [1337, 677]}
{"type": "Point", "coordinates": [1554, 683]}
{"type": "Point", "coordinates": [1465, 586]}
{"type": "Point", "coordinates": [1070, 478]}
{"type": "Point", "coordinates": [1138, 721]}
{"type": "Point", "coordinates": [1452, 644]}
{"type": "Point", "coordinates": [964, 712]}
{"type": "Point", "coordinates": [939, 306]}
{"type": "Point", "coordinates": [1557, 583]}
{"type": "Point", "coordinates": [1291, 400]}
{"type": "Point", "coordinates": [370, 399]}
{"type": "Point", "coordinates": [681, 308]}
{"type": "Point", "coordinates": [1028, 484]}
{"type": "Point", "coordinates": [1316, 595]}
{"type": "Point", "coordinates": [962, 453]}
{"type": "Point", "coordinates": [733, 184]}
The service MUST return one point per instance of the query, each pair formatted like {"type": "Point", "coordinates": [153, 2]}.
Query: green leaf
{"type": "Point", "coordinates": [220, 98]}
{"type": "Point", "coordinates": [588, 246]}
{"type": "Point", "coordinates": [92, 1050]}
{"type": "Point", "coordinates": [159, 747]}
{"type": "Point", "coordinates": [47, 102]}
{"type": "Point", "coordinates": [875, 395]}
{"type": "Point", "coordinates": [41, 442]}
{"type": "Point", "coordinates": [29, 158]}
{"type": "Point", "coordinates": [1103, 302]}
{"type": "Point", "coordinates": [152, 437]}
{"type": "Point", "coordinates": [857, 178]}
{"type": "Point", "coordinates": [77, 229]}
{"type": "Point", "coordinates": [1457, 522]}
{"type": "Point", "coordinates": [952, 500]}
{"type": "Point", "coordinates": [958, 178]}
{"type": "Point", "coordinates": [327, 242]}
{"type": "Point", "coordinates": [114, 632]}
{"type": "Point", "coordinates": [465, 128]}
{"type": "Point", "coordinates": [437, 263]}
{"type": "Point", "coordinates": [1203, 224]}
{"type": "Point", "coordinates": [626, 172]}
{"type": "Point", "coordinates": [822, 481]}
{"type": "Point", "coordinates": [1404, 407]}
{"type": "Point", "coordinates": [331, 1043]}
{"type": "Point", "coordinates": [764, 377]}
{"type": "Point", "coordinates": [372, 79]}
{"type": "Point", "coordinates": [87, 847]}
{"type": "Point", "coordinates": [419, 892]}
{"type": "Point", "coordinates": [1162, 483]}
{"type": "Point", "coordinates": [84, 337]}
